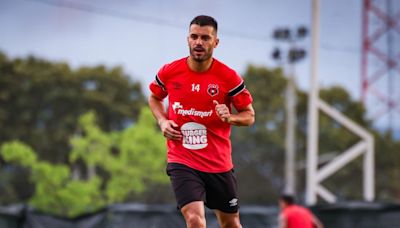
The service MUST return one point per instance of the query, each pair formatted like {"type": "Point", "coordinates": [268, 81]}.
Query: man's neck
{"type": "Point", "coordinates": [199, 66]}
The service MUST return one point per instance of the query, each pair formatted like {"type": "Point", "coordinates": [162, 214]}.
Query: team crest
{"type": "Point", "coordinates": [212, 89]}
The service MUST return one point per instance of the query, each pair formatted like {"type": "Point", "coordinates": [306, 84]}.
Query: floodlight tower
{"type": "Point", "coordinates": [380, 62]}
{"type": "Point", "coordinates": [293, 55]}
{"type": "Point", "coordinates": [315, 174]}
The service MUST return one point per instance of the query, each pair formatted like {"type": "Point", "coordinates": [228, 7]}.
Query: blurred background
{"type": "Point", "coordinates": [76, 134]}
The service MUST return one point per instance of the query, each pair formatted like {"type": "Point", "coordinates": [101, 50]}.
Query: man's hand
{"type": "Point", "coordinates": [244, 117]}
{"type": "Point", "coordinates": [222, 111]}
{"type": "Point", "coordinates": [167, 126]}
{"type": "Point", "coordinates": [168, 129]}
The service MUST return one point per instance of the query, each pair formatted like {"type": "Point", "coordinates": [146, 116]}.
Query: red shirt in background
{"type": "Point", "coordinates": [297, 217]}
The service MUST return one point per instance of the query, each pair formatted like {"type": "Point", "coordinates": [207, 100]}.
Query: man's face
{"type": "Point", "coordinates": [202, 40]}
{"type": "Point", "coordinates": [282, 204]}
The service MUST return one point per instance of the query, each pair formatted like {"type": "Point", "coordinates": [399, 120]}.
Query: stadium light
{"type": "Point", "coordinates": [289, 58]}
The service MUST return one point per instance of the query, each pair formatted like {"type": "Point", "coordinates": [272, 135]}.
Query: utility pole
{"type": "Point", "coordinates": [313, 115]}
{"type": "Point", "coordinates": [290, 139]}
{"type": "Point", "coordinates": [292, 56]}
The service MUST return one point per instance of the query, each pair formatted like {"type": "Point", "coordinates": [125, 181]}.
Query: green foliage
{"type": "Point", "coordinates": [258, 150]}
{"type": "Point", "coordinates": [78, 161]}
{"type": "Point", "coordinates": [94, 147]}
{"type": "Point", "coordinates": [18, 152]}
{"type": "Point", "coordinates": [139, 161]}
{"type": "Point", "coordinates": [387, 168]}
{"type": "Point", "coordinates": [41, 101]}
{"type": "Point", "coordinates": [141, 154]}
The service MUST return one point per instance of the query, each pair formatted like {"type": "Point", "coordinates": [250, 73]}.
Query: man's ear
{"type": "Point", "coordinates": [216, 43]}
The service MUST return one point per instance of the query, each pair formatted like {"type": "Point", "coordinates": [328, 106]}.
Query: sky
{"type": "Point", "coordinates": [143, 35]}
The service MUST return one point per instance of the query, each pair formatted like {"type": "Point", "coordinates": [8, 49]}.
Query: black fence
{"type": "Point", "coordinates": [345, 215]}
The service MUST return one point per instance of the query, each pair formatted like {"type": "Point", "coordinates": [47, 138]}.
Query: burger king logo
{"type": "Point", "coordinates": [194, 136]}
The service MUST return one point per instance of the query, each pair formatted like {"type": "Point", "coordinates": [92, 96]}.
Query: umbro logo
{"type": "Point", "coordinates": [233, 202]}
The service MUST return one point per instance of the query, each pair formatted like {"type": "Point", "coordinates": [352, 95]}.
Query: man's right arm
{"type": "Point", "coordinates": [157, 108]}
{"type": "Point", "coordinates": [167, 126]}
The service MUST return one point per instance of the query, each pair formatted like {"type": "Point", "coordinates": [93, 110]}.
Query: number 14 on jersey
{"type": "Point", "coordinates": [195, 87]}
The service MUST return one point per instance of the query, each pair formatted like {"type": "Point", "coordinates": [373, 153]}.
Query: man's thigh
{"type": "Point", "coordinates": [221, 192]}
{"type": "Point", "coordinates": [186, 183]}
{"type": "Point", "coordinates": [226, 220]}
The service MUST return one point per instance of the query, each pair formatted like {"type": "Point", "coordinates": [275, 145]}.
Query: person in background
{"type": "Point", "coordinates": [296, 216]}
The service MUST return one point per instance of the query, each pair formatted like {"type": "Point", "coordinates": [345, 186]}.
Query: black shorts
{"type": "Point", "coordinates": [216, 190]}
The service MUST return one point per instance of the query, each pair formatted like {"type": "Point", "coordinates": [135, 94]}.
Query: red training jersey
{"type": "Point", "coordinates": [297, 217]}
{"type": "Point", "coordinates": [206, 144]}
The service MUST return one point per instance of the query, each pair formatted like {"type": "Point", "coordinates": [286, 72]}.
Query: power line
{"type": "Point", "coordinates": [351, 50]}
{"type": "Point", "coordinates": [108, 12]}
{"type": "Point", "coordinates": [162, 22]}
{"type": "Point", "coordinates": [134, 17]}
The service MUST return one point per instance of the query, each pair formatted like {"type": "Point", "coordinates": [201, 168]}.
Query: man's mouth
{"type": "Point", "coordinates": [199, 49]}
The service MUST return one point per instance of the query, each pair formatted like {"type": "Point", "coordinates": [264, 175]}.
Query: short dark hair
{"type": "Point", "coordinates": [204, 20]}
{"type": "Point", "coordinates": [288, 199]}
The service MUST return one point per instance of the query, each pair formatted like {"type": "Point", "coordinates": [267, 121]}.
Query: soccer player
{"type": "Point", "coordinates": [296, 216]}
{"type": "Point", "coordinates": [201, 91]}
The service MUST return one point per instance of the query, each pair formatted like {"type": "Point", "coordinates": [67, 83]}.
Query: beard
{"type": "Point", "coordinates": [204, 56]}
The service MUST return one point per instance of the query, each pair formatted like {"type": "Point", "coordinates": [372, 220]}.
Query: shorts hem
{"type": "Point", "coordinates": [225, 211]}
{"type": "Point", "coordinates": [179, 207]}
{"type": "Point", "coordinates": [224, 170]}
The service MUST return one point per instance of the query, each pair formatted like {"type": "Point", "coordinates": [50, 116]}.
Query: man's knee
{"type": "Point", "coordinates": [194, 214]}
{"type": "Point", "coordinates": [195, 220]}
{"type": "Point", "coordinates": [231, 224]}
{"type": "Point", "coordinates": [227, 220]}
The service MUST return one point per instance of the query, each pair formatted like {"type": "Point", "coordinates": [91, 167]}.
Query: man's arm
{"type": "Point", "coordinates": [244, 117]}
{"type": "Point", "coordinates": [317, 223]}
{"type": "Point", "coordinates": [282, 221]}
{"type": "Point", "coordinates": [167, 126]}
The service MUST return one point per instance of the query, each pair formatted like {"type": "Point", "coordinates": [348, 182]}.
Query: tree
{"type": "Point", "coordinates": [333, 140]}
{"type": "Point", "coordinates": [41, 101]}
{"type": "Point", "coordinates": [258, 150]}
{"type": "Point", "coordinates": [54, 191]}
{"type": "Point", "coordinates": [387, 167]}
{"type": "Point", "coordinates": [132, 159]}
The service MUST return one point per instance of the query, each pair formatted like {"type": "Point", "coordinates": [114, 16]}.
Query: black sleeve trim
{"type": "Point", "coordinates": [237, 89]}
{"type": "Point", "coordinates": [159, 82]}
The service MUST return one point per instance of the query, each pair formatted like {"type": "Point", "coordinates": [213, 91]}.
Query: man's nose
{"type": "Point", "coordinates": [198, 42]}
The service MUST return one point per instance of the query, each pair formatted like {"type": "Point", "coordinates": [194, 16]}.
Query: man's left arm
{"type": "Point", "coordinates": [282, 221]}
{"type": "Point", "coordinates": [316, 222]}
{"type": "Point", "coordinates": [244, 116]}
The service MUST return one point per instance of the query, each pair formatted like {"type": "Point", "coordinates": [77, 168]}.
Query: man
{"type": "Point", "coordinates": [197, 125]}
{"type": "Point", "coordinates": [295, 216]}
